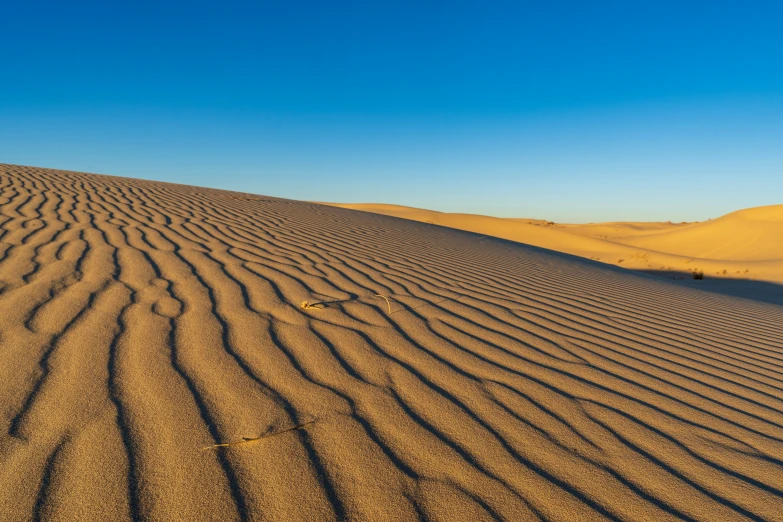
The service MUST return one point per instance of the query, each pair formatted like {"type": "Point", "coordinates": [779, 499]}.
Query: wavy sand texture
{"type": "Point", "coordinates": [141, 322]}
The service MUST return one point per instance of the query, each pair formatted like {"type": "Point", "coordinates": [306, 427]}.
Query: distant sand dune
{"type": "Point", "coordinates": [741, 246]}
{"type": "Point", "coordinates": [142, 323]}
{"type": "Point", "coordinates": [752, 234]}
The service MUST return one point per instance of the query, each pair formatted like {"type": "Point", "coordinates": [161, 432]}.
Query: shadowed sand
{"type": "Point", "coordinates": [142, 324]}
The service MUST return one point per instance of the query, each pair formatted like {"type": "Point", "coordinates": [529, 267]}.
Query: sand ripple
{"type": "Point", "coordinates": [142, 322]}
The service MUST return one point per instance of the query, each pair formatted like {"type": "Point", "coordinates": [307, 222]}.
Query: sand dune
{"type": "Point", "coordinates": [747, 235]}
{"type": "Point", "coordinates": [741, 246]}
{"type": "Point", "coordinates": [143, 323]}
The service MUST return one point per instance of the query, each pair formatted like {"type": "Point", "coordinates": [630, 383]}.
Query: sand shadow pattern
{"type": "Point", "coordinates": [452, 377]}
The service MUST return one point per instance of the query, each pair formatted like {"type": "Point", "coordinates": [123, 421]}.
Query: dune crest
{"type": "Point", "coordinates": [746, 235]}
{"type": "Point", "coordinates": [157, 363]}
{"type": "Point", "coordinates": [740, 246]}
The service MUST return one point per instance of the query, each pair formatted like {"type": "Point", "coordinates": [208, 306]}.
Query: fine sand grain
{"type": "Point", "coordinates": [158, 362]}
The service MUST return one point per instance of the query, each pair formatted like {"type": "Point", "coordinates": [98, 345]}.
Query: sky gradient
{"type": "Point", "coordinates": [569, 111]}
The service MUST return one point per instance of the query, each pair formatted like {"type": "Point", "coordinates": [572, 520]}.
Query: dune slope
{"type": "Point", "coordinates": [741, 246]}
{"type": "Point", "coordinates": [752, 234]}
{"type": "Point", "coordinates": [143, 323]}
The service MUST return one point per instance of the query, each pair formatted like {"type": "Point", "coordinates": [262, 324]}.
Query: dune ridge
{"type": "Point", "coordinates": [741, 245]}
{"type": "Point", "coordinates": [142, 322]}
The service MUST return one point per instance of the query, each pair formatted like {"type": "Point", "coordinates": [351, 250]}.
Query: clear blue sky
{"type": "Point", "coordinates": [570, 111]}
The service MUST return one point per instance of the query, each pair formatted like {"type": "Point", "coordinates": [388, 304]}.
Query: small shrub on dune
{"type": "Point", "coordinates": [698, 274]}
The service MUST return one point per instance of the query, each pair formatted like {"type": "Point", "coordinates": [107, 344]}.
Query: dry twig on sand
{"type": "Point", "coordinates": [246, 440]}
{"type": "Point", "coordinates": [387, 301]}
{"type": "Point", "coordinates": [307, 306]}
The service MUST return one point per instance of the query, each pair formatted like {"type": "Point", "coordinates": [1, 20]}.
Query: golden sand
{"type": "Point", "coordinates": [142, 322]}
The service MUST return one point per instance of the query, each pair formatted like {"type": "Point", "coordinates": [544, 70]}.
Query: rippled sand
{"type": "Point", "coordinates": [142, 323]}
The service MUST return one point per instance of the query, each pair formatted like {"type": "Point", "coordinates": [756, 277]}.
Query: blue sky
{"type": "Point", "coordinates": [570, 111]}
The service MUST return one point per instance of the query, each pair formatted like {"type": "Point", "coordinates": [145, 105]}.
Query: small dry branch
{"type": "Point", "coordinates": [246, 440]}
{"type": "Point", "coordinates": [387, 301]}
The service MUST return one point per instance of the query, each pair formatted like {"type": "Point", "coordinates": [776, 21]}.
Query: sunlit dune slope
{"type": "Point", "coordinates": [530, 231]}
{"type": "Point", "coordinates": [754, 234]}
{"type": "Point", "coordinates": [157, 363]}
{"type": "Point", "coordinates": [745, 244]}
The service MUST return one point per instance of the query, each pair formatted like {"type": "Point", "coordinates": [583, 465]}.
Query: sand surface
{"type": "Point", "coordinates": [142, 323]}
{"type": "Point", "coordinates": [740, 254]}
